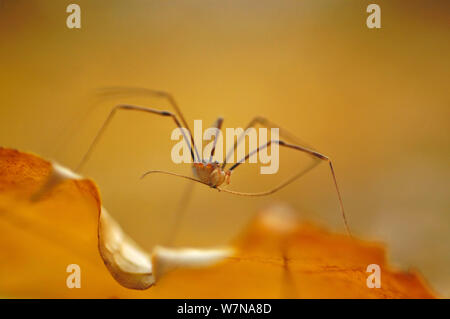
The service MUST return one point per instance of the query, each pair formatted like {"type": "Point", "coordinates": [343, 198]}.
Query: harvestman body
{"type": "Point", "coordinates": [208, 172]}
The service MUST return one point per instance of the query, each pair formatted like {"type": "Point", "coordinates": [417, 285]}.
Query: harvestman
{"type": "Point", "coordinates": [209, 172]}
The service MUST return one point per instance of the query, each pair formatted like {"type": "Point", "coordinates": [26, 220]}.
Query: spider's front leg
{"type": "Point", "coordinates": [131, 108]}
{"type": "Point", "coordinates": [264, 122]}
{"type": "Point", "coordinates": [302, 149]}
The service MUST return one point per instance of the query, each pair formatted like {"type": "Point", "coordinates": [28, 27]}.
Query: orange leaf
{"type": "Point", "coordinates": [51, 218]}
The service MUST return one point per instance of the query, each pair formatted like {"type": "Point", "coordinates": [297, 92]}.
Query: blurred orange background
{"type": "Point", "coordinates": [375, 101]}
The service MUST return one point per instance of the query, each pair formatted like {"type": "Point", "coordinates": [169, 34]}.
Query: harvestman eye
{"type": "Point", "coordinates": [206, 171]}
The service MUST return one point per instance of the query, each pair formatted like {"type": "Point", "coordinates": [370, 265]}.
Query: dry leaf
{"type": "Point", "coordinates": [54, 218]}
{"type": "Point", "coordinates": [51, 218]}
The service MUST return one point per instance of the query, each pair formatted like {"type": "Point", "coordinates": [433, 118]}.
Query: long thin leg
{"type": "Point", "coordinates": [265, 123]}
{"type": "Point", "coordinates": [118, 90]}
{"type": "Point", "coordinates": [218, 126]}
{"type": "Point", "coordinates": [301, 149]}
{"type": "Point", "coordinates": [133, 108]}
